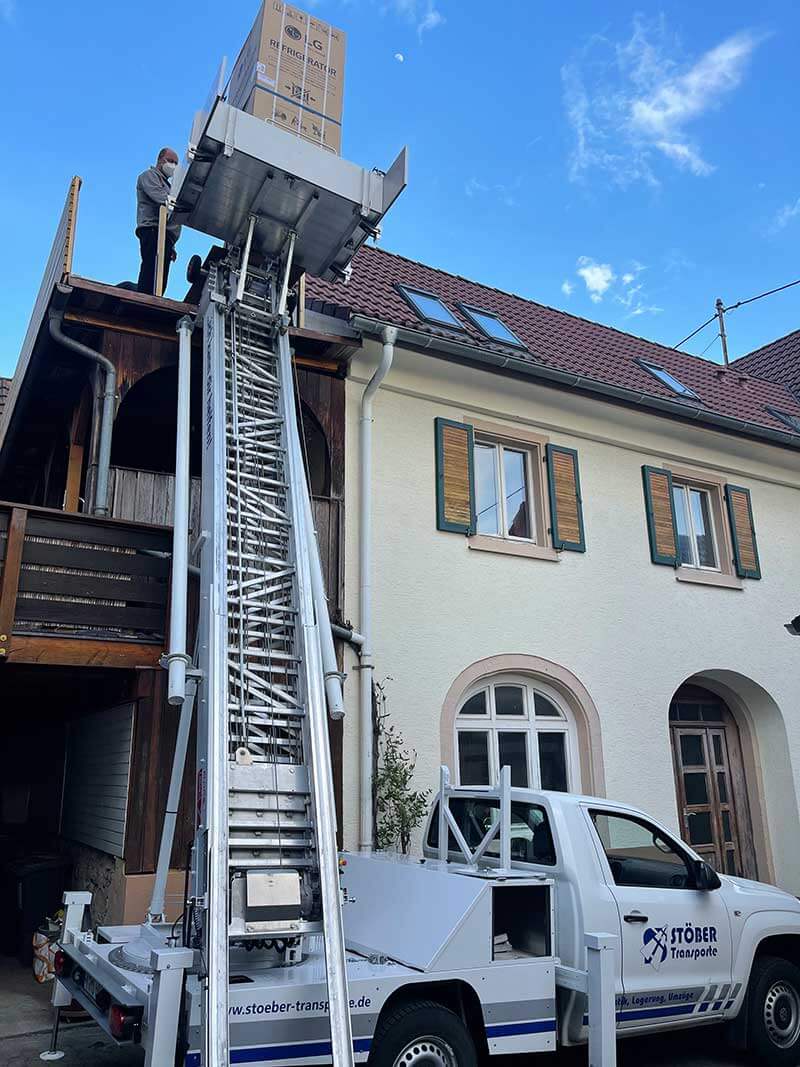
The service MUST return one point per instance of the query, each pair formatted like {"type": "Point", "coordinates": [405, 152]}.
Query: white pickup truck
{"type": "Point", "coordinates": [547, 920]}
{"type": "Point", "coordinates": [696, 947]}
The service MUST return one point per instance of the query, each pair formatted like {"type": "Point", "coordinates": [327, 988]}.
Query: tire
{"type": "Point", "coordinates": [773, 1024]}
{"type": "Point", "coordinates": [422, 1034]}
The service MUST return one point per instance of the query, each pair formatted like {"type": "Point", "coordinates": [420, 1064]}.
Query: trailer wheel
{"type": "Point", "coordinates": [774, 1022]}
{"type": "Point", "coordinates": [422, 1034]}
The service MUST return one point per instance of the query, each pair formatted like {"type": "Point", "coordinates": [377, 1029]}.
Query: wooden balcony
{"type": "Point", "coordinates": [76, 589]}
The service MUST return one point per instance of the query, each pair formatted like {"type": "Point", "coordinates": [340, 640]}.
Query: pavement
{"type": "Point", "coordinates": [86, 1046]}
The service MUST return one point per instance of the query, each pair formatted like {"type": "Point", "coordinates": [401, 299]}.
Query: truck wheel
{"type": "Point", "coordinates": [422, 1034]}
{"type": "Point", "coordinates": [773, 1028]}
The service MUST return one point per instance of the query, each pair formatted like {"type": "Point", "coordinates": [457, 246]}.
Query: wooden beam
{"type": "Point", "coordinates": [109, 322]}
{"type": "Point", "coordinates": [131, 296]}
{"type": "Point", "coordinates": [9, 581]}
{"type": "Point", "coordinates": [328, 338]}
{"type": "Point", "coordinates": [77, 437]}
{"type": "Point", "coordinates": [83, 652]}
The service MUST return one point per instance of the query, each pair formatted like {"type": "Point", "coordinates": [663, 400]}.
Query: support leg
{"type": "Point", "coordinates": [53, 1053]}
{"type": "Point", "coordinates": [600, 951]}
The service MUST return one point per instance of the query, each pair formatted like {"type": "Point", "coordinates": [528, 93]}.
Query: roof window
{"type": "Point", "coordinates": [792, 421]}
{"type": "Point", "coordinates": [491, 325]}
{"type": "Point", "coordinates": [429, 307]}
{"type": "Point", "coordinates": [668, 379]}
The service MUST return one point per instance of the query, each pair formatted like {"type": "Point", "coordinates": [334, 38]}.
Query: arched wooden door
{"type": "Point", "coordinates": [710, 781]}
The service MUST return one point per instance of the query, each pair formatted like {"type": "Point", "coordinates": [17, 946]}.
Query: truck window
{"type": "Point", "coordinates": [639, 854]}
{"type": "Point", "coordinates": [531, 839]}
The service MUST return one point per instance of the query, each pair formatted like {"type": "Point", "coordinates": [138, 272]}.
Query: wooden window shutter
{"type": "Point", "coordinates": [660, 508]}
{"type": "Point", "coordinates": [743, 532]}
{"type": "Point", "coordinates": [566, 508]}
{"type": "Point", "coordinates": [455, 480]}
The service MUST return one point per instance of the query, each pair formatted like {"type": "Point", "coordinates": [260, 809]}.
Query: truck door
{"type": "Point", "coordinates": [676, 939]}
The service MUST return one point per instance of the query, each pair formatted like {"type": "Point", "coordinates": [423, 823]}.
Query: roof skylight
{"type": "Point", "coordinates": [668, 379]}
{"type": "Point", "coordinates": [792, 421]}
{"type": "Point", "coordinates": [491, 325]}
{"type": "Point", "coordinates": [429, 307]}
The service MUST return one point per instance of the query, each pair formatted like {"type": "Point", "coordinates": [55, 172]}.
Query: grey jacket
{"type": "Point", "coordinates": [152, 190]}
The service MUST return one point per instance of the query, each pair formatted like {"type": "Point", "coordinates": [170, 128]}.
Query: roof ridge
{"type": "Point", "coordinates": [768, 344]}
{"type": "Point", "coordinates": [548, 307]}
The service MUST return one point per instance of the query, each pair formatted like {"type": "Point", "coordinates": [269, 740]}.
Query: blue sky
{"type": "Point", "coordinates": [628, 163]}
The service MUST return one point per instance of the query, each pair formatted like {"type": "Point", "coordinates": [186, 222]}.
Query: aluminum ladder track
{"type": "Point", "coordinates": [275, 806]}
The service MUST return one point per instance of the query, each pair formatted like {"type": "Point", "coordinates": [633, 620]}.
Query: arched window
{"type": "Point", "coordinates": [510, 719]}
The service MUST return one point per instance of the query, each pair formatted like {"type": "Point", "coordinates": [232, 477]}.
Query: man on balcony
{"type": "Point", "coordinates": [152, 190]}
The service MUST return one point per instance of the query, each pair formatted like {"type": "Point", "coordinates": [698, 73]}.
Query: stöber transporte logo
{"type": "Point", "coordinates": [686, 942]}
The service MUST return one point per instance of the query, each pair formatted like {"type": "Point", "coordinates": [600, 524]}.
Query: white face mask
{"type": "Point", "coordinates": [168, 168]}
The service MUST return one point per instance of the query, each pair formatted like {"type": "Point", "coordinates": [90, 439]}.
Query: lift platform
{"type": "Point", "coordinates": [239, 168]}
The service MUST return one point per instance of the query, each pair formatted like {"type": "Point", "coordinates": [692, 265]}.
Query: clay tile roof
{"type": "Point", "coordinates": [5, 386]}
{"type": "Point", "coordinates": [779, 361]}
{"type": "Point", "coordinates": [554, 338]}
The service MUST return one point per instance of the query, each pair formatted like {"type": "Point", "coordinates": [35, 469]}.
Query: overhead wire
{"type": "Point", "coordinates": [733, 307]}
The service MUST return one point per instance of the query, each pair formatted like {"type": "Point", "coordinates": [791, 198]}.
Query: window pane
{"type": "Point", "coordinates": [486, 489]}
{"type": "Point", "coordinates": [692, 754]}
{"type": "Point", "coordinates": [727, 834]}
{"type": "Point", "coordinates": [473, 757]}
{"type": "Point", "coordinates": [553, 761]}
{"type": "Point", "coordinates": [509, 700]}
{"type": "Point", "coordinates": [476, 705]}
{"type": "Point", "coordinates": [684, 530]}
{"type": "Point", "coordinates": [430, 307]}
{"type": "Point", "coordinates": [696, 788]}
{"type": "Point", "coordinates": [730, 861]}
{"type": "Point", "coordinates": [700, 828]}
{"type": "Point", "coordinates": [546, 707]}
{"type": "Point", "coordinates": [513, 749]}
{"type": "Point", "coordinates": [722, 787]}
{"type": "Point", "coordinates": [638, 855]}
{"type": "Point", "coordinates": [531, 840]}
{"type": "Point", "coordinates": [703, 531]}
{"type": "Point", "coordinates": [494, 327]}
{"type": "Point", "coordinates": [517, 520]}
{"type": "Point", "coordinates": [718, 749]}
{"type": "Point", "coordinates": [713, 713]}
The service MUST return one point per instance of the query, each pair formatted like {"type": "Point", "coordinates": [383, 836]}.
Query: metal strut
{"type": "Point", "coordinates": [268, 814]}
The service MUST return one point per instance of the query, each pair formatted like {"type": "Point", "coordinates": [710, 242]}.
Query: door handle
{"type": "Point", "coordinates": [635, 917]}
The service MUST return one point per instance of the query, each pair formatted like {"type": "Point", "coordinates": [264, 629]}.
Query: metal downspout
{"type": "Point", "coordinates": [100, 506]}
{"type": "Point", "coordinates": [176, 659]}
{"type": "Point", "coordinates": [367, 667]}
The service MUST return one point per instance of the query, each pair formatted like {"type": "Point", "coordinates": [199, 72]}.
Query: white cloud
{"type": "Point", "coordinates": [597, 277]}
{"type": "Point", "coordinates": [787, 214]}
{"type": "Point", "coordinates": [630, 103]}
{"type": "Point", "coordinates": [399, 57]}
{"type": "Point", "coordinates": [567, 288]}
{"type": "Point", "coordinates": [627, 278]}
{"type": "Point", "coordinates": [502, 194]}
{"type": "Point", "coordinates": [425, 16]}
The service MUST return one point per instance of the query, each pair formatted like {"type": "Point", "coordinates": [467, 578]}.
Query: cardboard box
{"type": "Point", "coordinates": [291, 72]}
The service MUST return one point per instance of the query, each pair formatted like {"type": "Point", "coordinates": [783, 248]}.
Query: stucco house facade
{"type": "Point", "coordinates": [582, 560]}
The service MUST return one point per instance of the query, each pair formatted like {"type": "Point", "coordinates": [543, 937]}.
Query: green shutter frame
{"type": "Point", "coordinates": [442, 522]}
{"type": "Point", "coordinates": [656, 554]}
{"type": "Point", "coordinates": [743, 569]}
{"type": "Point", "coordinates": [561, 540]}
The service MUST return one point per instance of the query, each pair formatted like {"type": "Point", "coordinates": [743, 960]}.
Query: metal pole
{"type": "Point", "coordinates": [245, 258]}
{"type": "Point", "coordinates": [600, 952]}
{"type": "Point", "coordinates": [389, 335]}
{"type": "Point", "coordinates": [286, 270]}
{"type": "Point", "coordinates": [155, 912]}
{"type": "Point", "coordinates": [161, 249]}
{"type": "Point", "coordinates": [722, 335]}
{"type": "Point", "coordinates": [176, 659]}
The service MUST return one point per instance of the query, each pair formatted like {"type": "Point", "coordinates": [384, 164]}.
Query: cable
{"type": "Point", "coordinates": [769, 292]}
{"type": "Point", "coordinates": [710, 343]}
{"type": "Point", "coordinates": [691, 335]}
{"type": "Point", "coordinates": [733, 307]}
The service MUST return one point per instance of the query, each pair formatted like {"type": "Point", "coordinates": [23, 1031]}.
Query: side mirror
{"type": "Point", "coordinates": [705, 877]}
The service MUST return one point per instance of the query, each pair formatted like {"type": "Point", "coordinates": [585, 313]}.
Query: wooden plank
{"type": "Point", "coordinates": [94, 616]}
{"type": "Point", "coordinates": [9, 580]}
{"type": "Point", "coordinates": [83, 652]}
{"type": "Point", "coordinates": [134, 590]}
{"type": "Point", "coordinates": [90, 559]}
{"type": "Point", "coordinates": [97, 533]}
{"type": "Point", "coordinates": [138, 328]}
{"type": "Point", "coordinates": [131, 296]}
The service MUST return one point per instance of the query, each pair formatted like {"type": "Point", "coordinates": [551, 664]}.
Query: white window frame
{"type": "Point", "coordinates": [686, 487]}
{"type": "Point", "coordinates": [493, 724]}
{"type": "Point", "coordinates": [532, 460]}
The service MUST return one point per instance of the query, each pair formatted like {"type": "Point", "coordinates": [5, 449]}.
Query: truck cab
{"type": "Point", "coordinates": [694, 947]}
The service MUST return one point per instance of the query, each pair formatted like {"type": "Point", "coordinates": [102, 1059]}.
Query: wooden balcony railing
{"type": "Point", "coordinates": [80, 577]}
